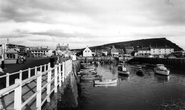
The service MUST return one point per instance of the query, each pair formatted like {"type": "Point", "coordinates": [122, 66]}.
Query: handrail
{"type": "Point", "coordinates": [6, 90]}
{"type": "Point", "coordinates": [55, 77]}
{"type": "Point", "coordinates": [8, 75]}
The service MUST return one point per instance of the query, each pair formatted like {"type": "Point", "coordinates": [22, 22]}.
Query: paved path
{"type": "Point", "coordinates": [27, 90]}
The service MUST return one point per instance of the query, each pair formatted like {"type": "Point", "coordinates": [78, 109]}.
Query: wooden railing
{"type": "Point", "coordinates": [53, 76]}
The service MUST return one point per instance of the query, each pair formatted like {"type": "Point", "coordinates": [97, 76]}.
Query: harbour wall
{"type": "Point", "coordinates": [106, 59]}
{"type": "Point", "coordinates": [176, 62]}
{"type": "Point", "coordinates": [66, 96]}
{"type": "Point", "coordinates": [69, 94]}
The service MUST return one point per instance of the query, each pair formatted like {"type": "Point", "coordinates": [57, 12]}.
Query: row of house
{"type": "Point", "coordinates": [10, 53]}
{"type": "Point", "coordinates": [129, 50]}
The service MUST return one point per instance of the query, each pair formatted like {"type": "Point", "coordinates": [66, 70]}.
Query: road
{"type": "Point", "coordinates": [30, 62]}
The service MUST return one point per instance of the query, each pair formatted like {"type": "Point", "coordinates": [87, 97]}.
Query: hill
{"type": "Point", "coordinates": [154, 42]}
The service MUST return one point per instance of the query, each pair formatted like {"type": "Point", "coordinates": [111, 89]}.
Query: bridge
{"type": "Point", "coordinates": [34, 88]}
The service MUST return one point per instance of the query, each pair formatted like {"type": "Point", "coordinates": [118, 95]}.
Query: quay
{"type": "Point", "coordinates": [175, 63]}
{"type": "Point", "coordinates": [37, 88]}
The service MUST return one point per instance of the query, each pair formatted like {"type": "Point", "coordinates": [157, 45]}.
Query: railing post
{"type": "Point", "coordinates": [63, 71]}
{"type": "Point", "coordinates": [49, 85]}
{"type": "Point", "coordinates": [60, 75]}
{"type": "Point", "coordinates": [18, 95]}
{"type": "Point", "coordinates": [39, 89]}
{"type": "Point", "coordinates": [40, 68]}
{"type": "Point", "coordinates": [56, 77]}
{"type": "Point", "coordinates": [20, 75]}
{"type": "Point", "coordinates": [29, 72]}
{"type": "Point", "coordinates": [35, 70]}
{"type": "Point", "coordinates": [45, 67]}
{"type": "Point", "coordinates": [7, 79]}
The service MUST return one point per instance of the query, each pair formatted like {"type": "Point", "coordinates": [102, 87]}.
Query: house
{"type": "Point", "coordinates": [10, 56]}
{"type": "Point", "coordinates": [161, 50]}
{"type": "Point", "coordinates": [129, 50]}
{"type": "Point", "coordinates": [114, 51]}
{"type": "Point", "coordinates": [143, 51]}
{"type": "Point", "coordinates": [87, 52]}
{"type": "Point", "coordinates": [9, 53]}
{"type": "Point", "coordinates": [38, 51]}
{"type": "Point", "coordinates": [63, 50]}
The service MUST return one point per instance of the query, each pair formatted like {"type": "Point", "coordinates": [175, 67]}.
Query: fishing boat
{"type": "Point", "coordinates": [161, 70]}
{"type": "Point", "coordinates": [106, 81]}
{"type": "Point", "coordinates": [123, 73]}
{"type": "Point", "coordinates": [122, 70]}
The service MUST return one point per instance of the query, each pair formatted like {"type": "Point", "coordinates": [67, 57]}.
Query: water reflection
{"type": "Point", "coordinates": [122, 78]}
{"type": "Point", "coordinates": [162, 79]}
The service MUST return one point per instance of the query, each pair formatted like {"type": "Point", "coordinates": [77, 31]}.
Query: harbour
{"type": "Point", "coordinates": [147, 92]}
{"type": "Point", "coordinates": [92, 55]}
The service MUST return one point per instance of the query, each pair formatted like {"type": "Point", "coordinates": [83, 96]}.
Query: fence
{"type": "Point", "coordinates": [47, 79]}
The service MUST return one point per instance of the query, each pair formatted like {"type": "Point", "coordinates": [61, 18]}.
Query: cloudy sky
{"type": "Point", "coordinates": [82, 23]}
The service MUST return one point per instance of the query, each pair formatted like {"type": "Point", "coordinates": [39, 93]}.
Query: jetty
{"type": "Point", "coordinates": [37, 88]}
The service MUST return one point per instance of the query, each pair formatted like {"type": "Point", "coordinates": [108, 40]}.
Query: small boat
{"type": "Point", "coordinates": [136, 66]}
{"type": "Point", "coordinates": [107, 81]}
{"type": "Point", "coordinates": [97, 77]}
{"type": "Point", "coordinates": [161, 70]}
{"type": "Point", "coordinates": [124, 73]}
{"type": "Point", "coordinates": [140, 72]}
{"type": "Point", "coordinates": [106, 85]}
{"type": "Point", "coordinates": [87, 73]}
{"type": "Point", "coordinates": [122, 70]}
{"type": "Point", "coordinates": [90, 69]}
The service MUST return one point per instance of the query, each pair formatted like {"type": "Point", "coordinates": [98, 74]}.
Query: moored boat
{"type": "Point", "coordinates": [87, 73]}
{"type": "Point", "coordinates": [161, 70]}
{"type": "Point", "coordinates": [140, 72]}
{"type": "Point", "coordinates": [124, 73]}
{"type": "Point", "coordinates": [96, 77]}
{"type": "Point", "coordinates": [106, 85]}
{"type": "Point", "coordinates": [107, 81]}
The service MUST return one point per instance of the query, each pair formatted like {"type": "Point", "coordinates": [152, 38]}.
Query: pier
{"type": "Point", "coordinates": [37, 88]}
{"type": "Point", "coordinates": [176, 62]}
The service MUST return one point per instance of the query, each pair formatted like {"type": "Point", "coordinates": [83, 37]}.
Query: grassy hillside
{"type": "Point", "coordinates": [155, 42]}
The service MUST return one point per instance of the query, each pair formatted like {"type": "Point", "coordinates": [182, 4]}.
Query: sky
{"type": "Point", "coordinates": [82, 23]}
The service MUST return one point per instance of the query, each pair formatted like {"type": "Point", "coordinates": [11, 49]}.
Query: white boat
{"type": "Point", "coordinates": [161, 69]}
{"type": "Point", "coordinates": [107, 81]}
{"type": "Point", "coordinates": [106, 85]}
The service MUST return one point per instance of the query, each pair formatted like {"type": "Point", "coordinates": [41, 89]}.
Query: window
{"type": "Point", "coordinates": [11, 56]}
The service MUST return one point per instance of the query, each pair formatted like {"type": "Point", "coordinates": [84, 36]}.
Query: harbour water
{"type": "Point", "coordinates": [146, 92]}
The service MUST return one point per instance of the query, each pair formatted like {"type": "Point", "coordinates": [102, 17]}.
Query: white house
{"type": "Point", "coordinates": [161, 50]}
{"type": "Point", "coordinates": [87, 52]}
{"type": "Point", "coordinates": [144, 51]}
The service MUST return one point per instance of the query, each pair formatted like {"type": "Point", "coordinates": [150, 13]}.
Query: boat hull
{"type": "Point", "coordinates": [123, 73]}
{"type": "Point", "coordinates": [162, 72]}
{"type": "Point", "coordinates": [97, 82]}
